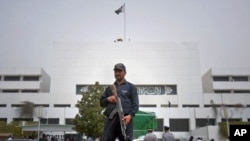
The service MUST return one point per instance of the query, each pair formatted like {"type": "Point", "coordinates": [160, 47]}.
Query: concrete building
{"type": "Point", "coordinates": [167, 76]}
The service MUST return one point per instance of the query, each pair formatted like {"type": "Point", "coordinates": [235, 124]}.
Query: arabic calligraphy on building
{"type": "Point", "coordinates": [142, 89]}
{"type": "Point", "coordinates": [156, 90]}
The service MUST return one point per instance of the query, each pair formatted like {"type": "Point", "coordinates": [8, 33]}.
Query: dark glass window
{"type": "Point", "coordinates": [3, 105]}
{"type": "Point", "coordinates": [222, 91]}
{"type": "Point", "coordinates": [193, 106]}
{"type": "Point", "coordinates": [168, 105]}
{"type": "Point", "coordinates": [11, 78]}
{"type": "Point", "coordinates": [231, 120]}
{"type": "Point", "coordinates": [147, 105]}
{"type": "Point", "coordinates": [160, 123]}
{"type": "Point", "coordinates": [241, 91]}
{"type": "Point", "coordinates": [3, 120]}
{"type": "Point", "coordinates": [30, 78]}
{"type": "Point", "coordinates": [204, 122]}
{"type": "Point", "coordinates": [179, 125]}
{"type": "Point", "coordinates": [53, 121]}
{"type": "Point", "coordinates": [69, 121]}
{"type": "Point", "coordinates": [49, 120]}
{"type": "Point", "coordinates": [44, 121]}
{"type": "Point", "coordinates": [61, 105]}
{"type": "Point", "coordinates": [221, 78]}
{"type": "Point", "coordinates": [29, 91]}
{"type": "Point", "coordinates": [239, 78]}
{"type": "Point", "coordinates": [10, 91]}
{"type": "Point", "coordinates": [42, 105]}
{"type": "Point", "coordinates": [16, 105]}
{"type": "Point", "coordinates": [22, 119]}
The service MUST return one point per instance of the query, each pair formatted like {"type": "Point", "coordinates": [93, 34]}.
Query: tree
{"type": "Point", "coordinates": [12, 128]}
{"type": "Point", "coordinates": [90, 120]}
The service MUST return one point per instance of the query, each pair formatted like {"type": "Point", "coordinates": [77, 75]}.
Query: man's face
{"type": "Point", "coordinates": [119, 74]}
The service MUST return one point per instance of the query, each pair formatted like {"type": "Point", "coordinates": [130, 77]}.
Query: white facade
{"type": "Point", "coordinates": [148, 65]}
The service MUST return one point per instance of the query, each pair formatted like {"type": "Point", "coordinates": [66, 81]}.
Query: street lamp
{"type": "Point", "coordinates": [40, 112]}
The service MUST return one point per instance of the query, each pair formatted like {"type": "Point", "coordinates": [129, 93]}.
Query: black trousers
{"type": "Point", "coordinates": [112, 130]}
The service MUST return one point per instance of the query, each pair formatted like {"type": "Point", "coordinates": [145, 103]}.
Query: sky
{"type": "Point", "coordinates": [28, 28]}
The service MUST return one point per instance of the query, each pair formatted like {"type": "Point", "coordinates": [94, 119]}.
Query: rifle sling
{"type": "Point", "coordinates": [112, 114]}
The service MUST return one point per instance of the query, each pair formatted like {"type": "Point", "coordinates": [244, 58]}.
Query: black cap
{"type": "Point", "coordinates": [120, 66]}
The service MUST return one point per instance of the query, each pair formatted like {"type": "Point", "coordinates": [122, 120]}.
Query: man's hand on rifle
{"type": "Point", "coordinates": [127, 119]}
{"type": "Point", "coordinates": [112, 99]}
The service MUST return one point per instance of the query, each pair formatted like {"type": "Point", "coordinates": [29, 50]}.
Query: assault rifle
{"type": "Point", "coordinates": [119, 110]}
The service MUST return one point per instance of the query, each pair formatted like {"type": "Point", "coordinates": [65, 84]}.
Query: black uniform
{"type": "Point", "coordinates": [130, 104]}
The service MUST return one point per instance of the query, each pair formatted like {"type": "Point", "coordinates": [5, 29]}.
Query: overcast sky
{"type": "Point", "coordinates": [221, 27]}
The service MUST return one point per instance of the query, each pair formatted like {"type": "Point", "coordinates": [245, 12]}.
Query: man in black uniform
{"type": "Point", "coordinates": [130, 104]}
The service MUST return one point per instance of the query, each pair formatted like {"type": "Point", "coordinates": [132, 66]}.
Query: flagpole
{"type": "Point", "coordinates": [122, 10]}
{"type": "Point", "coordinates": [124, 22]}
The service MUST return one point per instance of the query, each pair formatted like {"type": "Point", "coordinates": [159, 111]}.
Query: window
{"type": "Point", "coordinates": [3, 120]}
{"type": "Point", "coordinates": [231, 120]}
{"type": "Point", "coordinates": [204, 122]}
{"type": "Point", "coordinates": [29, 91]}
{"type": "Point", "coordinates": [53, 121]}
{"type": "Point", "coordinates": [234, 106]}
{"type": "Point", "coordinates": [193, 106]}
{"type": "Point", "coordinates": [3, 105]}
{"type": "Point", "coordinates": [179, 125]}
{"type": "Point", "coordinates": [147, 105]}
{"type": "Point", "coordinates": [69, 121]}
{"type": "Point", "coordinates": [222, 91]}
{"type": "Point", "coordinates": [10, 91]}
{"type": "Point", "coordinates": [16, 105]}
{"type": "Point", "coordinates": [241, 91]}
{"type": "Point", "coordinates": [12, 78]}
{"type": "Point", "coordinates": [221, 78]}
{"type": "Point", "coordinates": [30, 78]}
{"type": "Point", "coordinates": [212, 105]}
{"type": "Point", "coordinates": [239, 78]}
{"type": "Point", "coordinates": [42, 105]}
{"type": "Point", "coordinates": [44, 120]}
{"type": "Point", "coordinates": [159, 125]}
{"type": "Point", "coordinates": [61, 105]}
{"type": "Point", "coordinates": [168, 105]}
{"type": "Point", "coordinates": [22, 119]}
{"type": "Point", "coordinates": [49, 120]}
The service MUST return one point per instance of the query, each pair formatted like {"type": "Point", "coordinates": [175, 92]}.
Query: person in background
{"type": "Point", "coordinates": [150, 136]}
{"type": "Point", "coordinates": [10, 137]}
{"type": "Point", "coordinates": [191, 138]}
{"type": "Point", "coordinates": [167, 135]}
{"type": "Point", "coordinates": [43, 138]}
